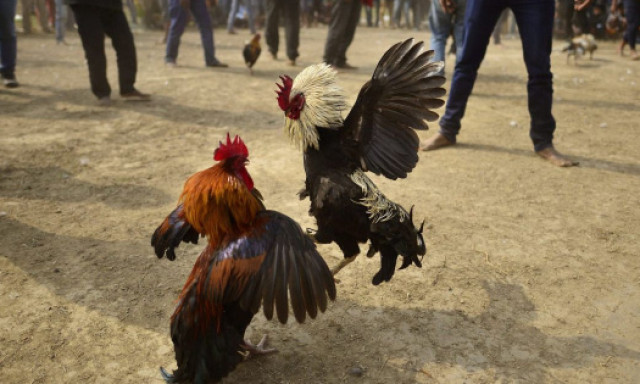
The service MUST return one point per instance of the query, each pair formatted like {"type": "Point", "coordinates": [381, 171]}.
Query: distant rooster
{"type": "Point", "coordinates": [579, 46]}
{"type": "Point", "coordinates": [251, 52]}
{"type": "Point", "coordinates": [253, 256]}
{"type": "Point", "coordinates": [378, 136]}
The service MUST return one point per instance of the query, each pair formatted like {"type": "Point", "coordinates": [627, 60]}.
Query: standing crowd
{"type": "Point", "coordinates": [470, 23]}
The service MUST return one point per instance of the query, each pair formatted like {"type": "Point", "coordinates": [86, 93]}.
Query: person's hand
{"type": "Point", "coordinates": [579, 5]}
{"type": "Point", "coordinates": [186, 4]}
{"type": "Point", "coordinates": [449, 6]}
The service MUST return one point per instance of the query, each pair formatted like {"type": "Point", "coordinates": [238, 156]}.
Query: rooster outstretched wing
{"type": "Point", "coordinates": [173, 230]}
{"type": "Point", "coordinates": [400, 96]}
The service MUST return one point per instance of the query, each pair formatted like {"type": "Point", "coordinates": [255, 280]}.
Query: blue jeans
{"type": "Point", "coordinates": [251, 9]}
{"type": "Point", "coordinates": [442, 24]}
{"type": "Point", "coordinates": [535, 22]}
{"type": "Point", "coordinates": [179, 18]}
{"type": "Point", "coordinates": [8, 44]}
{"type": "Point", "coordinates": [61, 20]}
{"type": "Point", "coordinates": [400, 6]}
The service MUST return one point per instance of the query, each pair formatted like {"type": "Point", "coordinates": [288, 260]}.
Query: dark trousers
{"type": "Point", "coordinates": [8, 45]}
{"type": "Point", "coordinates": [345, 15]}
{"type": "Point", "coordinates": [93, 24]}
{"type": "Point", "coordinates": [291, 14]}
{"type": "Point", "coordinates": [179, 19]}
{"type": "Point", "coordinates": [632, 12]}
{"type": "Point", "coordinates": [535, 23]}
{"type": "Point", "coordinates": [572, 16]}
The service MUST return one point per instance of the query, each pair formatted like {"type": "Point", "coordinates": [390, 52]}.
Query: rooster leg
{"type": "Point", "coordinates": [342, 264]}
{"type": "Point", "coordinates": [259, 349]}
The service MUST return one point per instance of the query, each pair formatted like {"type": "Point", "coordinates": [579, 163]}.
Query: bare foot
{"type": "Point", "coordinates": [634, 55]}
{"type": "Point", "coordinates": [556, 158]}
{"type": "Point", "coordinates": [435, 142]}
{"type": "Point", "coordinates": [621, 48]}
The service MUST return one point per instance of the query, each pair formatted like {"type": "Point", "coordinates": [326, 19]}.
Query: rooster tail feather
{"type": "Point", "coordinates": [173, 230]}
{"type": "Point", "coordinates": [207, 349]}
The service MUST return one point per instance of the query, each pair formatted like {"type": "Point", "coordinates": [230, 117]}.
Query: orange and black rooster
{"type": "Point", "coordinates": [253, 256]}
{"type": "Point", "coordinates": [378, 136]}
{"type": "Point", "coordinates": [251, 52]}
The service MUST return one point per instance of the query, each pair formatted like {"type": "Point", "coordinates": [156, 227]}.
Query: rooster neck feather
{"type": "Point", "coordinates": [324, 102]}
{"type": "Point", "coordinates": [218, 204]}
{"type": "Point", "coordinates": [379, 208]}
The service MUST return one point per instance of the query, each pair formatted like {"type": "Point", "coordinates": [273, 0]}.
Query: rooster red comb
{"type": "Point", "coordinates": [284, 92]}
{"type": "Point", "coordinates": [231, 149]}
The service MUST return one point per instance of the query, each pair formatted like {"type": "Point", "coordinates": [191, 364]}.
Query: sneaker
{"type": "Point", "coordinates": [136, 95]}
{"type": "Point", "coordinates": [170, 64]}
{"type": "Point", "coordinates": [10, 81]}
{"type": "Point", "coordinates": [292, 62]}
{"type": "Point", "coordinates": [104, 101]}
{"type": "Point", "coordinates": [217, 64]}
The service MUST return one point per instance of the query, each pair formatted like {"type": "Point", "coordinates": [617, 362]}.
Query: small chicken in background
{"type": "Point", "coordinates": [251, 52]}
{"type": "Point", "coordinates": [579, 46]}
{"type": "Point", "coordinates": [253, 256]}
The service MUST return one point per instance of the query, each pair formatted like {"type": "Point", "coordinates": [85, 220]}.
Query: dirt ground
{"type": "Point", "coordinates": [532, 273]}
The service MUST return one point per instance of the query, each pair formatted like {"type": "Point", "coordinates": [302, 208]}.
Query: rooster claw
{"type": "Point", "coordinates": [251, 350]}
{"type": "Point", "coordinates": [312, 234]}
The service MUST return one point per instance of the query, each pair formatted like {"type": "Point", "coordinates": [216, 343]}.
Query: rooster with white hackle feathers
{"type": "Point", "coordinates": [253, 256]}
{"type": "Point", "coordinates": [378, 135]}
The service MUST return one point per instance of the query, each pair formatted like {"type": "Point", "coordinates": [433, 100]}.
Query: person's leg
{"type": "Point", "coordinates": [397, 9]}
{"type": "Point", "coordinates": [117, 28]}
{"type": "Point", "coordinates": [91, 33]}
{"type": "Point", "coordinates": [291, 15]}
{"type": "Point", "coordinates": [457, 25]}
{"type": "Point", "coordinates": [582, 21]}
{"type": "Point", "coordinates": [406, 9]}
{"type": "Point", "coordinates": [252, 9]}
{"type": "Point", "coordinates": [567, 7]}
{"type": "Point", "coordinates": [133, 12]}
{"type": "Point", "coordinates": [337, 25]}
{"type": "Point", "coordinates": [480, 18]}
{"type": "Point", "coordinates": [376, 9]}
{"type": "Point", "coordinates": [271, 26]}
{"type": "Point", "coordinates": [368, 13]}
{"type": "Point", "coordinates": [179, 18]}
{"type": "Point", "coordinates": [201, 15]}
{"type": "Point", "coordinates": [8, 42]}
{"type": "Point", "coordinates": [440, 25]}
{"type": "Point", "coordinates": [43, 15]}
{"type": "Point", "coordinates": [61, 20]}
{"type": "Point", "coordinates": [27, 10]}
{"type": "Point", "coordinates": [352, 18]}
{"type": "Point", "coordinates": [632, 11]}
{"type": "Point", "coordinates": [535, 22]}
{"type": "Point", "coordinates": [497, 30]}
{"type": "Point", "coordinates": [233, 9]}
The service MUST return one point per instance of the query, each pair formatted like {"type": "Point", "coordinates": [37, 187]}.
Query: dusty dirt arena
{"type": "Point", "coordinates": [532, 273]}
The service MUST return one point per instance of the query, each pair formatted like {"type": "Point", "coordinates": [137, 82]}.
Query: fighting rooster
{"type": "Point", "coordinates": [251, 52]}
{"type": "Point", "coordinates": [378, 136]}
{"type": "Point", "coordinates": [253, 256]}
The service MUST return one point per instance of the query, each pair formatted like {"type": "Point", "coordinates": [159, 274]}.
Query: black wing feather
{"type": "Point", "coordinates": [173, 230]}
{"type": "Point", "coordinates": [398, 99]}
{"type": "Point", "coordinates": [292, 268]}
